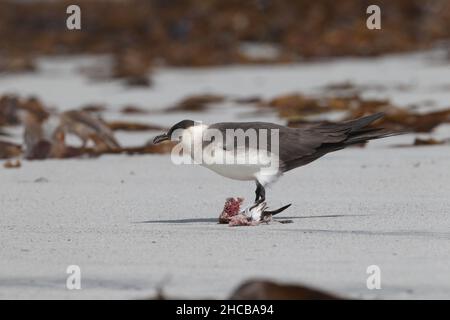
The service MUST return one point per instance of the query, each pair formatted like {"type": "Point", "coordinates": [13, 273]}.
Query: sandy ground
{"type": "Point", "coordinates": [129, 227]}
{"type": "Point", "coordinates": [135, 223]}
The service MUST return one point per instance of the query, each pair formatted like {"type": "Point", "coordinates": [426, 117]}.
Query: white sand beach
{"type": "Point", "coordinates": [136, 223]}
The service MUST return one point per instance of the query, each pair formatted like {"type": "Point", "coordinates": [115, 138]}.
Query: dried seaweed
{"type": "Point", "coordinates": [10, 164]}
{"type": "Point", "coordinates": [9, 105]}
{"type": "Point", "coordinates": [133, 110]}
{"type": "Point", "coordinates": [133, 126]}
{"type": "Point", "coordinates": [16, 63]}
{"type": "Point", "coordinates": [428, 142]}
{"type": "Point", "coordinates": [196, 102]}
{"type": "Point", "coordinates": [9, 150]}
{"type": "Point", "coordinates": [94, 108]}
{"type": "Point", "coordinates": [296, 108]}
{"type": "Point", "coordinates": [82, 123]}
{"type": "Point", "coordinates": [193, 33]}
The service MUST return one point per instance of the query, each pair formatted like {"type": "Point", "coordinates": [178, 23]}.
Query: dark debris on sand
{"type": "Point", "coordinates": [263, 289]}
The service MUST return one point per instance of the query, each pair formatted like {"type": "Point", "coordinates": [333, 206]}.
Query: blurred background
{"type": "Point", "coordinates": [129, 40]}
{"type": "Point", "coordinates": [201, 33]}
{"type": "Point", "coordinates": [100, 94]}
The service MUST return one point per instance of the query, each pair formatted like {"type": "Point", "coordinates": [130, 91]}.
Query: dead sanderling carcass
{"type": "Point", "coordinates": [251, 216]}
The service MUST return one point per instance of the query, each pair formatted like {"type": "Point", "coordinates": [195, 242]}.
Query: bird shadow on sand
{"type": "Point", "coordinates": [193, 220]}
{"type": "Point", "coordinates": [214, 220]}
{"type": "Point", "coordinates": [323, 216]}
